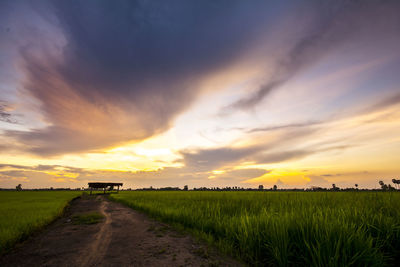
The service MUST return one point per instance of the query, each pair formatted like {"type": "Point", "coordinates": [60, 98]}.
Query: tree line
{"type": "Point", "coordinates": [383, 187]}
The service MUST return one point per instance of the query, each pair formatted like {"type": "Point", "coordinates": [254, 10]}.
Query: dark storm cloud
{"type": "Point", "coordinates": [128, 67]}
{"type": "Point", "coordinates": [333, 24]}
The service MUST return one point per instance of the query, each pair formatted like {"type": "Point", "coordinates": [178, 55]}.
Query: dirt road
{"type": "Point", "coordinates": [123, 237]}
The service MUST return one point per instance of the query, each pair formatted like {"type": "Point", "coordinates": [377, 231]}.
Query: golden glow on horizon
{"type": "Point", "coordinates": [158, 153]}
{"type": "Point", "coordinates": [291, 177]}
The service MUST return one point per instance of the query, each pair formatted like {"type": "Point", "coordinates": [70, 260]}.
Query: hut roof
{"type": "Point", "coordinates": [103, 185]}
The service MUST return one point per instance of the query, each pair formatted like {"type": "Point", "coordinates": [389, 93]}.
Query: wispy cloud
{"type": "Point", "coordinates": [5, 115]}
{"type": "Point", "coordinates": [283, 126]}
{"type": "Point", "coordinates": [333, 24]}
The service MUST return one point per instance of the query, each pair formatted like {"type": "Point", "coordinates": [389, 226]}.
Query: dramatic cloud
{"type": "Point", "coordinates": [122, 71]}
{"type": "Point", "coordinates": [106, 73]}
{"type": "Point", "coordinates": [333, 23]}
{"type": "Point", "coordinates": [130, 90]}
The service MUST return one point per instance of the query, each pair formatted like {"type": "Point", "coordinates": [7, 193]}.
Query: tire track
{"type": "Point", "coordinates": [96, 251]}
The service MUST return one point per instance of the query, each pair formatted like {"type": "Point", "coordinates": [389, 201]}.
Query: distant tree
{"type": "Point", "coordinates": [396, 183]}
{"type": "Point", "coordinates": [384, 187]}
{"type": "Point", "coordinates": [260, 187]}
{"type": "Point", "coordinates": [275, 187]}
{"type": "Point", "coordinates": [356, 186]}
{"type": "Point", "coordinates": [335, 188]}
{"type": "Point", "coordinates": [18, 187]}
{"type": "Point", "coordinates": [391, 188]}
{"type": "Point", "coordinates": [186, 188]}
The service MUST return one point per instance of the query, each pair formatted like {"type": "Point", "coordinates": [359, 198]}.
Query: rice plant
{"type": "Point", "coordinates": [285, 228]}
{"type": "Point", "coordinates": [24, 212]}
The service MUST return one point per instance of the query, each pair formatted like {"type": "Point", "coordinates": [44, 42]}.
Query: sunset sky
{"type": "Point", "coordinates": [199, 93]}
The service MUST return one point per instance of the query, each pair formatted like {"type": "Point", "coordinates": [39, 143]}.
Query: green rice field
{"type": "Point", "coordinates": [22, 213]}
{"type": "Point", "coordinates": [285, 228]}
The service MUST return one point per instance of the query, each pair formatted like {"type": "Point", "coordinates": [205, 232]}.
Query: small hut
{"type": "Point", "coordinates": [104, 186]}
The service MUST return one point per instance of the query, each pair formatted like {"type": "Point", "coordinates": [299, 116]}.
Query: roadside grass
{"type": "Point", "coordinates": [88, 218]}
{"type": "Point", "coordinates": [24, 212]}
{"type": "Point", "coordinates": [285, 228]}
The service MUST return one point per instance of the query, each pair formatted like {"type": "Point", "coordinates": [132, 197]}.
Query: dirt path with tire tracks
{"type": "Point", "coordinates": [123, 237]}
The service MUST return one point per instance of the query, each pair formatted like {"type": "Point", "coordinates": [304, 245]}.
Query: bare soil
{"type": "Point", "coordinates": [123, 238]}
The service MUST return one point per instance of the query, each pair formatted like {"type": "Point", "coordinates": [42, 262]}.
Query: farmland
{"type": "Point", "coordinates": [285, 228]}
{"type": "Point", "coordinates": [21, 213]}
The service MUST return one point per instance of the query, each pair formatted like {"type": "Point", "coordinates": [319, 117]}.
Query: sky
{"type": "Point", "coordinates": [199, 93]}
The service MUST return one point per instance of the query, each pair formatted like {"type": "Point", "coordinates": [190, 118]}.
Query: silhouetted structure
{"type": "Point", "coordinates": [104, 186]}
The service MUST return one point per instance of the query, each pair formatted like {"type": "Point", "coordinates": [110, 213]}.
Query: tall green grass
{"type": "Point", "coordinates": [285, 228]}
{"type": "Point", "coordinates": [21, 213]}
